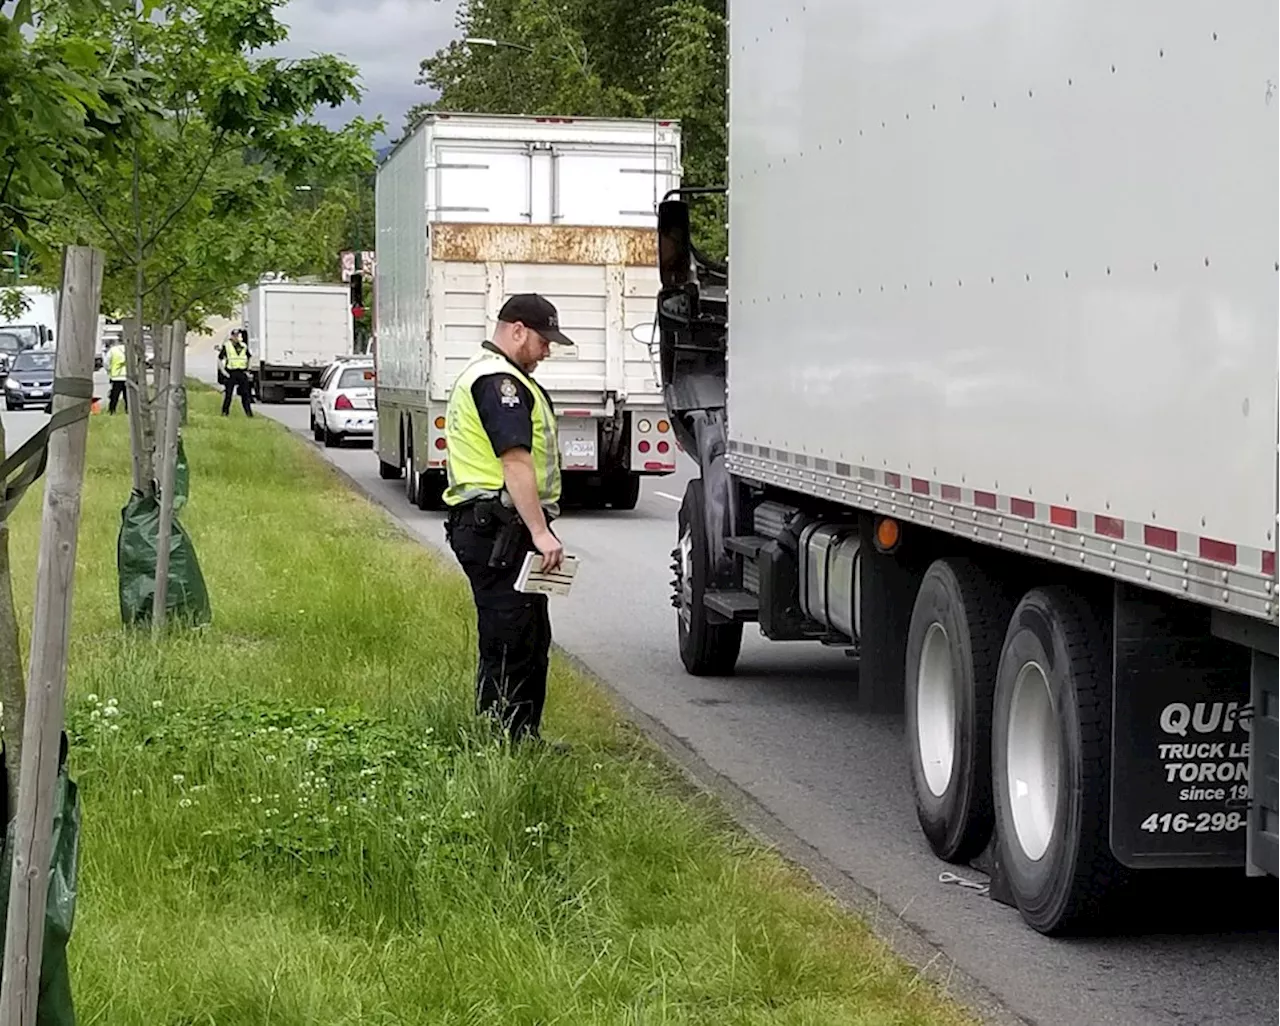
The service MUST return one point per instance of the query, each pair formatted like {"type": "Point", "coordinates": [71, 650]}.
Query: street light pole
{"type": "Point", "coordinates": [478, 41]}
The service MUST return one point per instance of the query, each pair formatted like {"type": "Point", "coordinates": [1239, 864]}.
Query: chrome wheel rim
{"type": "Point", "coordinates": [1032, 760]}
{"type": "Point", "coordinates": [936, 711]}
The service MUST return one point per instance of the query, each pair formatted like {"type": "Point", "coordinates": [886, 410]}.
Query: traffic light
{"type": "Point", "coordinates": [357, 295]}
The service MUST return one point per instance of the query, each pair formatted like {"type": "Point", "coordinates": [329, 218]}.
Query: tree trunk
{"type": "Point", "coordinates": [168, 473]}
{"type": "Point", "coordinates": [13, 690]}
{"type": "Point", "coordinates": [50, 639]}
{"type": "Point", "coordinates": [160, 404]}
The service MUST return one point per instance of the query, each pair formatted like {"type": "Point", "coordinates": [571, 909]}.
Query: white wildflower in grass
{"type": "Point", "coordinates": [185, 803]}
{"type": "Point", "coordinates": [93, 699]}
{"type": "Point", "coordinates": [318, 711]}
{"type": "Point", "coordinates": [270, 758]}
{"type": "Point", "coordinates": [468, 815]}
{"type": "Point", "coordinates": [111, 710]}
{"type": "Point", "coordinates": [179, 779]}
{"type": "Point", "coordinates": [157, 704]}
{"type": "Point", "coordinates": [113, 702]}
{"type": "Point", "coordinates": [255, 800]}
{"type": "Point", "coordinates": [137, 792]}
{"type": "Point", "coordinates": [312, 745]}
{"type": "Point", "coordinates": [94, 715]}
{"type": "Point", "coordinates": [115, 727]}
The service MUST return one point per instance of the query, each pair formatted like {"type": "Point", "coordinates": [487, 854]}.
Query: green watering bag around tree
{"type": "Point", "coordinates": [188, 598]}
{"type": "Point", "coordinates": [55, 1007]}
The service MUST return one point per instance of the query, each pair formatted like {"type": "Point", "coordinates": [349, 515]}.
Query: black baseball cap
{"type": "Point", "coordinates": [535, 313]}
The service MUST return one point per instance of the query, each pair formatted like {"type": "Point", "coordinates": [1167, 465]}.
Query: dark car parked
{"type": "Point", "coordinates": [30, 380]}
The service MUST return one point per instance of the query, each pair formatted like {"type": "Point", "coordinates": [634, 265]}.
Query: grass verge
{"type": "Point", "coordinates": [292, 818]}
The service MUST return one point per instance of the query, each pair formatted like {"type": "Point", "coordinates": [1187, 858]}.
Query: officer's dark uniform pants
{"type": "Point", "coordinates": [118, 392]}
{"type": "Point", "coordinates": [514, 632]}
{"type": "Point", "coordinates": [237, 380]}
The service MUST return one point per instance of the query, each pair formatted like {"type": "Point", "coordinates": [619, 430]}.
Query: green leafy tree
{"type": "Point", "coordinates": [195, 193]}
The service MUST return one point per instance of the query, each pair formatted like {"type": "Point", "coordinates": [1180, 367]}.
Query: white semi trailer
{"type": "Point", "coordinates": [474, 208]}
{"type": "Point", "coordinates": [987, 395]}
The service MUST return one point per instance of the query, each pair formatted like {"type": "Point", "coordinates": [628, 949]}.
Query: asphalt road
{"type": "Point", "coordinates": [832, 786]}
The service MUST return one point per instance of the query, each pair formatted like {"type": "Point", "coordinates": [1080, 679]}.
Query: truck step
{"type": "Point", "coordinates": [736, 606]}
{"type": "Point", "coordinates": [748, 545]}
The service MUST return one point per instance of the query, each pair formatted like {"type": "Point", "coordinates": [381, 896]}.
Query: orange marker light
{"type": "Point", "coordinates": [888, 534]}
{"type": "Point", "coordinates": [663, 427]}
{"type": "Point", "coordinates": [439, 423]}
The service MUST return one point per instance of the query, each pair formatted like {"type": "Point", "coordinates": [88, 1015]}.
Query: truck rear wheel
{"type": "Point", "coordinates": [1051, 752]}
{"type": "Point", "coordinates": [707, 648]}
{"type": "Point", "coordinates": [388, 471]}
{"type": "Point", "coordinates": [412, 479]}
{"type": "Point", "coordinates": [953, 653]}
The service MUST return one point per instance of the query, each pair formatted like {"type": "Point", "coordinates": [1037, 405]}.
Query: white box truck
{"type": "Point", "coordinates": [474, 208]}
{"type": "Point", "coordinates": [987, 395]}
{"type": "Point", "coordinates": [296, 329]}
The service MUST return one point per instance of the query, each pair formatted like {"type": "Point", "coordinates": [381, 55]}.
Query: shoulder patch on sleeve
{"type": "Point", "coordinates": [509, 392]}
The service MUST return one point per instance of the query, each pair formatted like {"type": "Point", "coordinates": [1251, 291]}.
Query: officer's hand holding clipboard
{"type": "Point", "coordinates": [534, 579]}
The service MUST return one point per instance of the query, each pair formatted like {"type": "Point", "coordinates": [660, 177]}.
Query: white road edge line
{"type": "Point", "coordinates": [668, 495]}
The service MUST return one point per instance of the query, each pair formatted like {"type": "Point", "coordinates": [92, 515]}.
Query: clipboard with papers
{"type": "Point", "coordinates": [533, 580]}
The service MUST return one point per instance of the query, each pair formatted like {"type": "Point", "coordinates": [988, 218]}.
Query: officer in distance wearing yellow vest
{"type": "Point", "coordinates": [503, 492]}
{"type": "Point", "coordinates": [117, 374]}
{"type": "Point", "coordinates": [234, 358]}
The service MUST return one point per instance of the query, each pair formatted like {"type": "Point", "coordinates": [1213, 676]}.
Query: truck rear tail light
{"type": "Point", "coordinates": [439, 422]}
{"type": "Point", "coordinates": [644, 426]}
{"type": "Point", "coordinates": [643, 446]}
{"type": "Point", "coordinates": [663, 447]}
{"type": "Point", "coordinates": [441, 443]}
{"type": "Point", "coordinates": [342, 403]}
{"type": "Point", "coordinates": [663, 427]}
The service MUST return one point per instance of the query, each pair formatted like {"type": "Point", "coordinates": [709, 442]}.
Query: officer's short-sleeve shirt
{"type": "Point", "coordinates": [505, 405]}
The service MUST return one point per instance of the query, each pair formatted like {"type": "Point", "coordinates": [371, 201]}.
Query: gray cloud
{"type": "Point", "coordinates": [386, 39]}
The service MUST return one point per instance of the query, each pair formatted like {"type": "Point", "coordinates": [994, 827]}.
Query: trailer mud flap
{"type": "Point", "coordinates": [1180, 738]}
{"type": "Point", "coordinates": [1264, 781]}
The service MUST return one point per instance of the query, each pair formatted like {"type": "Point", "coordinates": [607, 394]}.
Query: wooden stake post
{"type": "Point", "coordinates": [50, 637]}
{"type": "Point", "coordinates": [168, 471]}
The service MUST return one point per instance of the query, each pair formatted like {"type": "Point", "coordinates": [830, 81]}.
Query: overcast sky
{"type": "Point", "coordinates": [385, 38]}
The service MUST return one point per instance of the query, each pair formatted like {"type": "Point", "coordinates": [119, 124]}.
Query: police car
{"type": "Point", "coordinates": [342, 404]}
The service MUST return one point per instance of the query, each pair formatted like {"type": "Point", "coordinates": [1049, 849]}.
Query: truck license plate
{"type": "Point", "coordinates": [578, 450]}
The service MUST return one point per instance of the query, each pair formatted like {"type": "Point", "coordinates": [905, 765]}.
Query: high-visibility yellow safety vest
{"type": "Point", "coordinates": [116, 363]}
{"type": "Point", "coordinates": [237, 357]}
{"type": "Point", "coordinates": [474, 469]}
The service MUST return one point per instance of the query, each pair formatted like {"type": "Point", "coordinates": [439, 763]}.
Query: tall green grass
{"type": "Point", "coordinates": [292, 817]}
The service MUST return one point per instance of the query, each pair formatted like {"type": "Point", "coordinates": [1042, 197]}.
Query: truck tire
{"type": "Point", "coordinates": [412, 479]}
{"type": "Point", "coordinates": [623, 491]}
{"type": "Point", "coordinates": [431, 486]}
{"type": "Point", "coordinates": [707, 649]}
{"type": "Point", "coordinates": [388, 471]}
{"type": "Point", "coordinates": [953, 653]}
{"type": "Point", "coordinates": [1051, 755]}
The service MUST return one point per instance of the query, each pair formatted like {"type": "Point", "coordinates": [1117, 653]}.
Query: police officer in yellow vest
{"type": "Point", "coordinates": [117, 375]}
{"type": "Point", "coordinates": [234, 357]}
{"type": "Point", "coordinates": [503, 492]}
